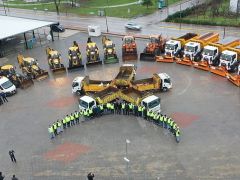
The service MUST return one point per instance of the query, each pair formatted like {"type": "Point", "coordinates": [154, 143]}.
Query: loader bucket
{"type": "Point", "coordinates": [90, 63]}
{"type": "Point", "coordinates": [201, 65]}
{"type": "Point", "coordinates": [42, 76]}
{"type": "Point", "coordinates": [26, 83]}
{"type": "Point", "coordinates": [75, 67]}
{"type": "Point", "coordinates": [129, 57]}
{"type": "Point", "coordinates": [147, 57]}
{"type": "Point", "coordinates": [111, 60]}
{"type": "Point", "coordinates": [166, 59]}
{"type": "Point", "coordinates": [59, 70]}
{"type": "Point", "coordinates": [221, 71]}
{"type": "Point", "coordinates": [235, 79]}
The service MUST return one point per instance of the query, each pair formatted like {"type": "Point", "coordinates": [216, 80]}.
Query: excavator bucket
{"type": "Point", "coordinates": [129, 57]}
{"type": "Point", "coordinates": [235, 79]}
{"type": "Point", "coordinates": [201, 65]}
{"type": "Point", "coordinates": [26, 83]}
{"type": "Point", "coordinates": [42, 76]}
{"type": "Point", "coordinates": [167, 59]}
{"type": "Point", "coordinates": [221, 71]}
{"type": "Point", "coordinates": [147, 57]}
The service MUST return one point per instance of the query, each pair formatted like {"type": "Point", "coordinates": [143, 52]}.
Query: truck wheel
{"type": "Point", "coordinates": [164, 89]}
{"type": "Point", "coordinates": [79, 93]}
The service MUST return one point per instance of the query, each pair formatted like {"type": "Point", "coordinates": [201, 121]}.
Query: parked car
{"type": "Point", "coordinates": [133, 26]}
{"type": "Point", "coordinates": [57, 27]}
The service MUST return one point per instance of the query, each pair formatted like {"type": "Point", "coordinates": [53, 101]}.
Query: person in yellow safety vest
{"type": "Point", "coordinates": [108, 107]}
{"type": "Point", "coordinates": [123, 108]}
{"type": "Point", "coordinates": [168, 123]}
{"type": "Point", "coordinates": [51, 132]}
{"type": "Point", "coordinates": [171, 125]}
{"type": "Point", "coordinates": [144, 112]}
{"type": "Point", "coordinates": [151, 115]}
{"type": "Point", "coordinates": [112, 108]}
{"type": "Point", "coordinates": [55, 128]}
{"type": "Point", "coordinates": [68, 121]}
{"type": "Point", "coordinates": [139, 110]}
{"type": "Point", "coordinates": [101, 109]}
{"type": "Point", "coordinates": [130, 107]}
{"type": "Point", "coordinates": [90, 110]}
{"type": "Point", "coordinates": [148, 115]}
{"type": "Point", "coordinates": [178, 135]}
{"type": "Point", "coordinates": [76, 115]}
{"type": "Point", "coordinates": [155, 117]}
{"type": "Point", "coordinates": [58, 126]}
{"type": "Point", "coordinates": [85, 114]}
{"type": "Point", "coordinates": [72, 119]}
{"type": "Point", "coordinates": [64, 121]}
{"type": "Point", "coordinates": [165, 121]}
{"type": "Point", "coordinates": [161, 120]}
{"type": "Point", "coordinates": [80, 114]}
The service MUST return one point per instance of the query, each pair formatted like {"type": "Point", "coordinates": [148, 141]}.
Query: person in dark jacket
{"type": "Point", "coordinates": [14, 177]}
{"type": "Point", "coordinates": [90, 176]}
{"type": "Point", "coordinates": [1, 176]}
{"type": "Point", "coordinates": [4, 97]}
{"type": "Point", "coordinates": [12, 156]}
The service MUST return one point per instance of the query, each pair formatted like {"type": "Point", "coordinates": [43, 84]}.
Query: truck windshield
{"type": "Point", "coordinates": [226, 57]}
{"type": "Point", "coordinates": [189, 48]}
{"type": "Point", "coordinates": [7, 85]}
{"type": "Point", "coordinates": [208, 52]}
{"type": "Point", "coordinates": [153, 103]}
{"type": "Point", "coordinates": [167, 80]}
{"type": "Point", "coordinates": [83, 104]}
{"type": "Point", "coordinates": [169, 46]}
{"type": "Point", "coordinates": [75, 84]}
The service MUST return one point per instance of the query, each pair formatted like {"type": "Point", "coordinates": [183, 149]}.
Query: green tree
{"type": "Point", "coordinates": [147, 3]}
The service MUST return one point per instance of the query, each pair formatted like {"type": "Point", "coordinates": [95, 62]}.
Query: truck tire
{"type": "Point", "coordinates": [164, 89]}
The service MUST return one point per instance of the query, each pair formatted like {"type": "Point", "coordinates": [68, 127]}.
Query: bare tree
{"type": "Point", "coordinates": [57, 4]}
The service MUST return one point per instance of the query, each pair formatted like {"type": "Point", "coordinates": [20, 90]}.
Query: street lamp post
{"type": "Point", "coordinates": [106, 16]}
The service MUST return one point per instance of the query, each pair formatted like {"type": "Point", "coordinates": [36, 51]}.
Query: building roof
{"type": "Point", "coordinates": [13, 25]}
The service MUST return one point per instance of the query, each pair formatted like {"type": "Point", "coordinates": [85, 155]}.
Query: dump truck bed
{"type": "Point", "coordinates": [107, 95]}
{"type": "Point", "coordinates": [124, 76]}
{"type": "Point", "coordinates": [147, 84]}
{"type": "Point", "coordinates": [132, 95]}
{"type": "Point", "coordinates": [94, 85]}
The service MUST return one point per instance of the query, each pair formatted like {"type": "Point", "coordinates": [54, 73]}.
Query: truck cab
{"type": "Point", "coordinates": [172, 48]}
{"type": "Point", "coordinates": [228, 58]}
{"type": "Point", "coordinates": [152, 103]}
{"type": "Point", "coordinates": [6, 86]}
{"type": "Point", "coordinates": [166, 83]}
{"type": "Point", "coordinates": [86, 102]}
{"type": "Point", "coordinates": [77, 85]}
{"type": "Point", "coordinates": [210, 54]}
{"type": "Point", "coordinates": [192, 50]}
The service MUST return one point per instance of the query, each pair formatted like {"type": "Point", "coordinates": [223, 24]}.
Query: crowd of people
{"type": "Point", "coordinates": [118, 107]}
{"type": "Point", "coordinates": [3, 98]}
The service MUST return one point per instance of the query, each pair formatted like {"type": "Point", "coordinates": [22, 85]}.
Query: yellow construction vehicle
{"type": "Point", "coordinates": [107, 95]}
{"type": "Point", "coordinates": [154, 48]}
{"type": "Point", "coordinates": [92, 53]}
{"type": "Point", "coordinates": [229, 61]}
{"type": "Point", "coordinates": [84, 85]}
{"type": "Point", "coordinates": [211, 53]}
{"type": "Point", "coordinates": [126, 74]}
{"type": "Point", "coordinates": [17, 79]}
{"type": "Point", "coordinates": [235, 78]}
{"type": "Point", "coordinates": [74, 57]}
{"type": "Point", "coordinates": [129, 48]}
{"type": "Point", "coordinates": [159, 82]}
{"type": "Point", "coordinates": [54, 60]}
{"type": "Point", "coordinates": [174, 48]}
{"type": "Point", "coordinates": [193, 49]}
{"type": "Point", "coordinates": [110, 55]}
{"type": "Point", "coordinates": [30, 68]}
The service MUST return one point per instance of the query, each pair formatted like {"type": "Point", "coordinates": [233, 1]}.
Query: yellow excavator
{"type": "Point", "coordinates": [54, 60]}
{"type": "Point", "coordinates": [74, 57]}
{"type": "Point", "coordinates": [30, 68]}
{"type": "Point", "coordinates": [17, 79]}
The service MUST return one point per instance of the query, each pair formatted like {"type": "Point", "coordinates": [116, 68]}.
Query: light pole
{"type": "Point", "coordinates": [127, 163]}
{"type": "Point", "coordinates": [127, 142]}
{"type": "Point", "coordinates": [106, 15]}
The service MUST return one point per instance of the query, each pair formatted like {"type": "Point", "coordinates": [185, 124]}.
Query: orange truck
{"type": "Point", "coordinates": [174, 48]}
{"type": "Point", "coordinates": [212, 52]}
{"type": "Point", "coordinates": [193, 49]}
{"type": "Point", "coordinates": [129, 48]}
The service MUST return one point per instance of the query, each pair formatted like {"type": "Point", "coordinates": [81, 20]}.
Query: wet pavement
{"type": "Point", "coordinates": [204, 105]}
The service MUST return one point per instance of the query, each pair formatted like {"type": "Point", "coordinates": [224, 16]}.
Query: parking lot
{"type": "Point", "coordinates": [205, 106]}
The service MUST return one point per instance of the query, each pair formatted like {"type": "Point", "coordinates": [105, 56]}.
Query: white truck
{"type": "Point", "coordinates": [6, 86]}
{"type": "Point", "coordinates": [229, 59]}
{"type": "Point", "coordinates": [150, 103]}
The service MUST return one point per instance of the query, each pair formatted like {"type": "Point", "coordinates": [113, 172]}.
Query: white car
{"type": "Point", "coordinates": [6, 86]}
{"type": "Point", "coordinates": [133, 26]}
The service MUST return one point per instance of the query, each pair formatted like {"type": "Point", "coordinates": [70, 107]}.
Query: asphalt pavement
{"type": "Point", "coordinates": [205, 106]}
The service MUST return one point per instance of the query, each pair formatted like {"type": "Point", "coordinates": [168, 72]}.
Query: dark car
{"type": "Point", "coordinates": [57, 28]}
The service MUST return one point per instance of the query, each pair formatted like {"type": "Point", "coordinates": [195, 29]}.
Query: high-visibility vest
{"type": "Point", "coordinates": [155, 116]}
{"type": "Point", "coordinates": [81, 113]}
{"type": "Point", "coordinates": [55, 126]}
{"type": "Point", "coordinates": [178, 133]}
{"type": "Point", "coordinates": [108, 105]}
{"type": "Point", "coordinates": [64, 121]}
{"type": "Point", "coordinates": [161, 118]}
{"type": "Point", "coordinates": [148, 113]}
{"type": "Point", "coordinates": [123, 105]}
{"type": "Point", "coordinates": [101, 107]}
{"type": "Point", "coordinates": [174, 126]}
{"type": "Point", "coordinates": [139, 108]}
{"type": "Point", "coordinates": [169, 120]}
{"type": "Point", "coordinates": [143, 108]}
{"type": "Point", "coordinates": [85, 112]}
{"type": "Point", "coordinates": [165, 119]}
{"type": "Point", "coordinates": [171, 123]}
{"type": "Point", "coordinates": [71, 117]}
{"type": "Point", "coordinates": [50, 129]}
{"type": "Point", "coordinates": [152, 114]}
{"type": "Point", "coordinates": [76, 115]}
{"type": "Point", "coordinates": [90, 111]}
{"type": "Point", "coordinates": [59, 124]}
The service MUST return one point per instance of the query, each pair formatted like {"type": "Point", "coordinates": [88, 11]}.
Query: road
{"type": "Point", "coordinates": [152, 24]}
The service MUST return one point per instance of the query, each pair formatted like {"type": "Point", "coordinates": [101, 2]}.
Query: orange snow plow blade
{"type": "Point", "coordinates": [184, 61]}
{"type": "Point", "coordinates": [221, 71]}
{"type": "Point", "coordinates": [235, 79]}
{"type": "Point", "coordinates": [203, 65]}
{"type": "Point", "coordinates": [167, 59]}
